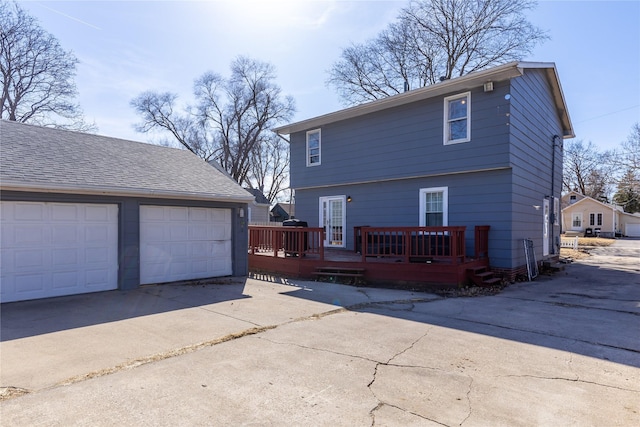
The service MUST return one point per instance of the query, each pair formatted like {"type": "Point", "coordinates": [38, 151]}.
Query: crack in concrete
{"type": "Point", "coordinates": [162, 356]}
{"type": "Point", "coordinates": [382, 405]}
{"type": "Point", "coordinates": [8, 392]}
{"type": "Point", "coordinates": [545, 334]}
{"type": "Point", "coordinates": [572, 305]}
{"type": "Point", "coordinates": [468, 395]}
{"type": "Point", "coordinates": [388, 363]}
{"type": "Point", "coordinates": [573, 380]}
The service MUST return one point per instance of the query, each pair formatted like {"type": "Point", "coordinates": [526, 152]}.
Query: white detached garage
{"type": "Point", "coordinates": [85, 213]}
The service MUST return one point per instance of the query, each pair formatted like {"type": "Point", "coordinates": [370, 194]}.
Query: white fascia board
{"type": "Point", "coordinates": [124, 192]}
{"type": "Point", "coordinates": [558, 94]}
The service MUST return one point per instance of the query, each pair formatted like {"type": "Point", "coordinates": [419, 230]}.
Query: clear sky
{"type": "Point", "coordinates": [126, 47]}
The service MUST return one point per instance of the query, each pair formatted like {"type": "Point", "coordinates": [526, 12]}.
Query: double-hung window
{"type": "Point", "coordinates": [434, 209]}
{"type": "Point", "coordinates": [595, 219]}
{"type": "Point", "coordinates": [457, 118]}
{"type": "Point", "coordinates": [313, 147]}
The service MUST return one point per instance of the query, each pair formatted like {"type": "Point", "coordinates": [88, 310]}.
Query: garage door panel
{"type": "Point", "coordinates": [98, 213]}
{"type": "Point", "coordinates": [187, 247]}
{"type": "Point", "coordinates": [52, 249]}
{"type": "Point", "coordinates": [96, 234]}
{"type": "Point", "coordinates": [178, 232]}
{"type": "Point", "coordinates": [65, 280]}
{"type": "Point", "coordinates": [29, 283]}
{"type": "Point", "coordinates": [29, 211]}
{"type": "Point", "coordinates": [29, 259]}
{"type": "Point", "coordinates": [29, 235]}
{"type": "Point", "coordinates": [64, 234]}
{"type": "Point", "coordinates": [65, 257]}
{"type": "Point", "coordinates": [64, 212]}
{"type": "Point", "coordinates": [179, 250]}
{"type": "Point", "coordinates": [199, 215]}
{"type": "Point", "coordinates": [98, 278]}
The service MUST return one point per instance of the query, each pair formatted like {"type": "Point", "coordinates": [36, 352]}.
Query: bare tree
{"type": "Point", "coordinates": [270, 169]}
{"type": "Point", "coordinates": [433, 40]}
{"type": "Point", "coordinates": [37, 74]}
{"type": "Point", "coordinates": [629, 155]}
{"type": "Point", "coordinates": [628, 159]}
{"type": "Point", "coordinates": [230, 122]}
{"type": "Point", "coordinates": [588, 170]}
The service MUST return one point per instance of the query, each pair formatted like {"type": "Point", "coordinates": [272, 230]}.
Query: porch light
{"type": "Point", "coordinates": [349, 199]}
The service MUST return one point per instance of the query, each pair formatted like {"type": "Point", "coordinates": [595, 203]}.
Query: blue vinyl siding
{"type": "Point", "coordinates": [383, 159]}
{"type": "Point", "coordinates": [474, 199]}
{"type": "Point", "coordinates": [534, 121]}
{"type": "Point", "coordinates": [406, 141]}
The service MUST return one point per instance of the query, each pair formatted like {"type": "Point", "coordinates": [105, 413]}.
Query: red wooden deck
{"type": "Point", "coordinates": [394, 256]}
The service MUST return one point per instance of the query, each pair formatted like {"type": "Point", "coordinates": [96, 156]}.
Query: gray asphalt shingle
{"type": "Point", "coordinates": [35, 156]}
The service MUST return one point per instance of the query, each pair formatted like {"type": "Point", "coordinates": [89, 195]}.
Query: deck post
{"type": "Point", "coordinates": [406, 235]}
{"type": "Point", "coordinates": [274, 241]}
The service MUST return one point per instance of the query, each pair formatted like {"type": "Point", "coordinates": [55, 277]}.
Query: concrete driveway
{"type": "Point", "coordinates": [562, 350]}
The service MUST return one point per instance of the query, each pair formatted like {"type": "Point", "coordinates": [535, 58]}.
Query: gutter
{"type": "Point", "coordinates": [126, 192]}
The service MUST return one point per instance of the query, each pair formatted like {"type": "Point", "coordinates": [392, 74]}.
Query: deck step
{"type": "Point", "coordinates": [339, 269]}
{"type": "Point", "coordinates": [334, 272]}
{"type": "Point", "coordinates": [329, 273]}
{"type": "Point", "coordinates": [482, 277]}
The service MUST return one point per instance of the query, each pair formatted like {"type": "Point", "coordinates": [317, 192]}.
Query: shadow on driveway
{"type": "Point", "coordinates": [30, 318]}
{"type": "Point", "coordinates": [590, 308]}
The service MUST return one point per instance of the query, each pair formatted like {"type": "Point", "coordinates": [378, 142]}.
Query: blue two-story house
{"type": "Point", "coordinates": [481, 149]}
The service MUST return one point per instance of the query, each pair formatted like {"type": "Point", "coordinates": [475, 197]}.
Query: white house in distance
{"type": "Point", "coordinates": [580, 212]}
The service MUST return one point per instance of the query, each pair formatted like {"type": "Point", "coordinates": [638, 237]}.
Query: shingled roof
{"type": "Point", "coordinates": [35, 158]}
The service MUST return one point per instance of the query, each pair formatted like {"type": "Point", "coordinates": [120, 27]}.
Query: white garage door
{"type": "Point", "coordinates": [184, 243]}
{"type": "Point", "coordinates": [632, 230]}
{"type": "Point", "coordinates": [54, 249]}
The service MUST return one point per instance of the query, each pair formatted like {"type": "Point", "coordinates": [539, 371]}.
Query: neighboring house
{"type": "Point", "coordinates": [482, 149]}
{"type": "Point", "coordinates": [282, 212]}
{"type": "Point", "coordinates": [581, 213]}
{"type": "Point", "coordinates": [259, 209]}
{"type": "Point", "coordinates": [84, 213]}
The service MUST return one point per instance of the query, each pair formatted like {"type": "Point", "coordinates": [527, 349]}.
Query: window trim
{"type": "Point", "coordinates": [446, 121]}
{"type": "Point", "coordinates": [595, 218]}
{"type": "Point", "coordinates": [309, 163]}
{"type": "Point", "coordinates": [445, 204]}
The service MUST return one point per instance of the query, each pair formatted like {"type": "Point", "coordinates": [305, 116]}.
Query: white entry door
{"type": "Point", "coordinates": [184, 243]}
{"type": "Point", "coordinates": [334, 219]}
{"type": "Point", "coordinates": [54, 249]}
{"type": "Point", "coordinates": [576, 221]}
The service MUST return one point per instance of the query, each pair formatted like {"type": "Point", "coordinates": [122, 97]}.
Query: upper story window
{"type": "Point", "coordinates": [313, 147]}
{"type": "Point", "coordinates": [457, 118]}
{"type": "Point", "coordinates": [572, 199]}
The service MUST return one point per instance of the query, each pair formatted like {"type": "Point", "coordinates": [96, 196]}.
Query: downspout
{"type": "Point", "coordinates": [552, 217]}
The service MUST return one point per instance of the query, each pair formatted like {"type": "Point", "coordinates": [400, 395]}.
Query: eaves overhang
{"type": "Point", "coordinates": [122, 192]}
{"type": "Point", "coordinates": [469, 81]}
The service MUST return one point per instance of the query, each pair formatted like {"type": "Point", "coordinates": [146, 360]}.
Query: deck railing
{"type": "Point", "coordinates": [412, 244]}
{"type": "Point", "coordinates": [482, 241]}
{"type": "Point", "coordinates": [289, 241]}
{"type": "Point", "coordinates": [406, 244]}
